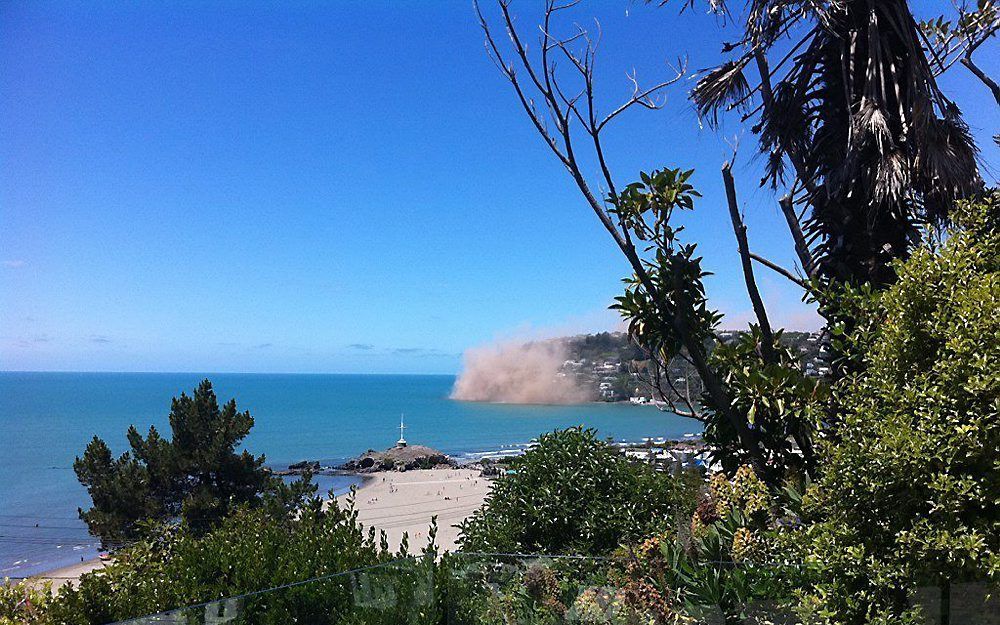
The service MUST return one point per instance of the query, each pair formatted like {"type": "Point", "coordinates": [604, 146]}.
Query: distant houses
{"type": "Point", "coordinates": [616, 370]}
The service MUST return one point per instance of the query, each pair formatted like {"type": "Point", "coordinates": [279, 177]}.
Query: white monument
{"type": "Point", "coordinates": [402, 441]}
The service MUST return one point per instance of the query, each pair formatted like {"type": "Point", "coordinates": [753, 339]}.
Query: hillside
{"type": "Point", "coordinates": [617, 370]}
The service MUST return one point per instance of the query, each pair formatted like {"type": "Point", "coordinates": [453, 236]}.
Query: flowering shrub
{"type": "Point", "coordinates": [24, 603]}
{"type": "Point", "coordinates": [607, 606]}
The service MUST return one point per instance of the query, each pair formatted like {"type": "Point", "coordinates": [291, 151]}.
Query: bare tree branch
{"type": "Point", "coordinates": [781, 270]}
{"type": "Point", "coordinates": [981, 75]}
{"type": "Point", "coordinates": [564, 110]}
{"type": "Point", "coordinates": [690, 411]}
{"type": "Point", "coordinates": [798, 238]}
{"type": "Point", "coordinates": [642, 98]}
{"type": "Point", "coordinates": [526, 103]}
{"type": "Point", "coordinates": [740, 229]}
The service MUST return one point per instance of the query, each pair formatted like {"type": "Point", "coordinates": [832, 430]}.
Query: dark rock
{"type": "Point", "coordinates": [304, 465]}
{"type": "Point", "coordinates": [398, 459]}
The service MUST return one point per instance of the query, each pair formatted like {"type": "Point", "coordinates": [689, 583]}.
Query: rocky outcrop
{"type": "Point", "coordinates": [398, 459]}
{"type": "Point", "coordinates": [300, 468]}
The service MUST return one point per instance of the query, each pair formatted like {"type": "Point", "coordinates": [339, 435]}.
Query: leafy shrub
{"type": "Point", "coordinates": [911, 481]}
{"type": "Point", "coordinates": [783, 405]}
{"type": "Point", "coordinates": [575, 493]}
{"type": "Point", "coordinates": [23, 603]}
{"type": "Point", "coordinates": [249, 551]}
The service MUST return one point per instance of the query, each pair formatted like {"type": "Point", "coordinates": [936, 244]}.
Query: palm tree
{"type": "Point", "coordinates": [876, 149]}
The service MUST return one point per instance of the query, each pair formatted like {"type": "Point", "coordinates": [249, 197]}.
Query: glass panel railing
{"type": "Point", "coordinates": [515, 589]}
{"type": "Point", "coordinates": [957, 603]}
{"type": "Point", "coordinates": [397, 592]}
{"type": "Point", "coordinates": [520, 589]}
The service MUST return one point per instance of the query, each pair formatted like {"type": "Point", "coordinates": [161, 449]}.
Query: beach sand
{"type": "Point", "coordinates": [68, 574]}
{"type": "Point", "coordinates": [391, 501]}
{"type": "Point", "coordinates": [405, 502]}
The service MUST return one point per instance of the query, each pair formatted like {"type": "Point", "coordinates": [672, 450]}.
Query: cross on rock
{"type": "Point", "coordinates": [402, 441]}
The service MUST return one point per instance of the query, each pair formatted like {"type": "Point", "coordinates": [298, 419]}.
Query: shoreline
{"type": "Point", "coordinates": [390, 501]}
{"type": "Point", "coordinates": [464, 459]}
{"type": "Point", "coordinates": [66, 574]}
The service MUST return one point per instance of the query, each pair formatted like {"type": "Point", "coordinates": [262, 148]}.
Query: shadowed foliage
{"type": "Point", "coordinates": [852, 105]}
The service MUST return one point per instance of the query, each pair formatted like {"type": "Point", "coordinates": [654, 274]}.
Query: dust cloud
{"type": "Point", "coordinates": [518, 372]}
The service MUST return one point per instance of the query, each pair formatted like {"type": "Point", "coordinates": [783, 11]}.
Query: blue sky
{"type": "Point", "coordinates": [328, 187]}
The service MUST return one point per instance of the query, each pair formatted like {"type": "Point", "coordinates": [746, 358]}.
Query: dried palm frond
{"type": "Point", "coordinates": [722, 87]}
{"type": "Point", "coordinates": [870, 126]}
{"type": "Point", "coordinates": [774, 170]}
{"type": "Point", "coordinates": [891, 179]}
{"type": "Point", "coordinates": [767, 19]}
{"type": "Point", "coordinates": [785, 125]}
{"type": "Point", "coordinates": [859, 116]}
{"type": "Point", "coordinates": [944, 166]}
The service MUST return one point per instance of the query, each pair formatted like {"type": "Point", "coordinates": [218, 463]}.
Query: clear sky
{"type": "Point", "coordinates": [329, 187]}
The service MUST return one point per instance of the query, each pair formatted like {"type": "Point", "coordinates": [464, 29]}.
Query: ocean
{"type": "Point", "coordinates": [47, 419]}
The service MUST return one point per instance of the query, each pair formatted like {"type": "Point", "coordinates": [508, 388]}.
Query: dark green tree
{"type": "Point", "coordinates": [197, 475]}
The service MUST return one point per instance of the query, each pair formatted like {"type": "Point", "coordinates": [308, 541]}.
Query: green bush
{"type": "Point", "coordinates": [250, 550]}
{"type": "Point", "coordinates": [910, 492]}
{"type": "Point", "coordinates": [574, 493]}
{"type": "Point", "coordinates": [23, 603]}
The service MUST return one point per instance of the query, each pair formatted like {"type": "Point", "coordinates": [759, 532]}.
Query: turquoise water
{"type": "Point", "coordinates": [46, 419]}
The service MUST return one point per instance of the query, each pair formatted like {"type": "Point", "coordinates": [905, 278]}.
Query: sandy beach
{"type": "Point", "coordinates": [390, 501]}
{"type": "Point", "coordinates": [405, 502]}
{"type": "Point", "coordinates": [68, 574]}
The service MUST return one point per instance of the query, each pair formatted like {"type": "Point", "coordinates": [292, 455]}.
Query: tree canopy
{"type": "Point", "coordinates": [574, 493]}
{"type": "Point", "coordinates": [197, 475]}
{"type": "Point", "coordinates": [911, 484]}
